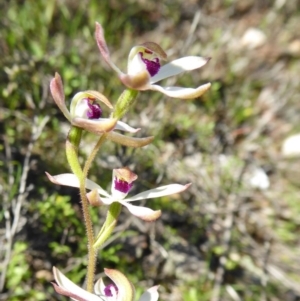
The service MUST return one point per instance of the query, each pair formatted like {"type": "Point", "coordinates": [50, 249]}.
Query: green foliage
{"type": "Point", "coordinates": [18, 269]}
{"type": "Point", "coordinates": [48, 213]}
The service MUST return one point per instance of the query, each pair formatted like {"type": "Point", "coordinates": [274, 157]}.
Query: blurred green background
{"type": "Point", "coordinates": [234, 235]}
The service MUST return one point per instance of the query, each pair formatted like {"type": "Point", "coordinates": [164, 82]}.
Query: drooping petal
{"type": "Point", "coordinates": [125, 288]}
{"type": "Point", "coordinates": [57, 91]}
{"type": "Point", "coordinates": [122, 126]}
{"type": "Point", "coordinates": [96, 126]}
{"type": "Point", "coordinates": [137, 81]}
{"type": "Point", "coordinates": [129, 141]}
{"type": "Point", "coordinates": [67, 288]}
{"type": "Point", "coordinates": [100, 39]}
{"type": "Point", "coordinates": [69, 179]}
{"type": "Point", "coordinates": [183, 93]}
{"type": "Point", "coordinates": [95, 199]}
{"type": "Point", "coordinates": [159, 192]}
{"type": "Point", "coordinates": [143, 213]}
{"type": "Point", "coordinates": [151, 294]}
{"type": "Point", "coordinates": [178, 66]}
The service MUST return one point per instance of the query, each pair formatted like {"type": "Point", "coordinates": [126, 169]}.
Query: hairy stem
{"type": "Point", "coordinates": [92, 255]}
{"type": "Point", "coordinates": [90, 236]}
{"type": "Point", "coordinates": [93, 154]}
{"type": "Point", "coordinates": [72, 146]}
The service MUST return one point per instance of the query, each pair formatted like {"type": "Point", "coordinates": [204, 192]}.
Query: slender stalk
{"type": "Point", "coordinates": [92, 256]}
{"type": "Point", "coordinates": [90, 236]}
{"type": "Point", "coordinates": [93, 154]}
{"type": "Point", "coordinates": [72, 145]}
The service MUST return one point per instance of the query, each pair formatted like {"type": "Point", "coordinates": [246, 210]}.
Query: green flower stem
{"type": "Point", "coordinates": [110, 222]}
{"type": "Point", "coordinates": [72, 145]}
{"type": "Point", "coordinates": [125, 101]}
{"type": "Point", "coordinates": [109, 225]}
{"type": "Point", "coordinates": [90, 235]}
{"type": "Point", "coordinates": [92, 254]}
{"type": "Point", "coordinates": [93, 154]}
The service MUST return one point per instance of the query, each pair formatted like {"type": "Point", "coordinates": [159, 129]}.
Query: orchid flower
{"type": "Point", "coordinates": [144, 68]}
{"type": "Point", "coordinates": [85, 112]}
{"type": "Point", "coordinates": [122, 182]}
{"type": "Point", "coordinates": [121, 290]}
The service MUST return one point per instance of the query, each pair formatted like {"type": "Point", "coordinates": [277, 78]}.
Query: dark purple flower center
{"type": "Point", "coordinates": [95, 111]}
{"type": "Point", "coordinates": [152, 66]}
{"type": "Point", "coordinates": [108, 291]}
{"type": "Point", "coordinates": [122, 185]}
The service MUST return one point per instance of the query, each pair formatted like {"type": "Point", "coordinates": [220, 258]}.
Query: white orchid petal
{"type": "Point", "coordinates": [74, 290]}
{"type": "Point", "coordinates": [116, 194]}
{"type": "Point", "coordinates": [143, 213]}
{"type": "Point", "coordinates": [135, 63]}
{"type": "Point", "coordinates": [122, 126]}
{"type": "Point", "coordinates": [183, 93]}
{"type": "Point", "coordinates": [69, 179]}
{"type": "Point", "coordinates": [178, 66]}
{"type": "Point", "coordinates": [151, 294]}
{"type": "Point", "coordinates": [81, 108]}
{"type": "Point", "coordinates": [106, 201]}
{"type": "Point", "coordinates": [159, 192]}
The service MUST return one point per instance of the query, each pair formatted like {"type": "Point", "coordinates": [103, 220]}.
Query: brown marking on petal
{"type": "Point", "coordinates": [97, 95]}
{"type": "Point", "coordinates": [155, 48]}
{"type": "Point", "coordinates": [139, 81]}
{"type": "Point", "coordinates": [93, 198]}
{"type": "Point", "coordinates": [153, 217]}
{"type": "Point", "coordinates": [100, 39]}
{"type": "Point", "coordinates": [57, 89]}
{"type": "Point", "coordinates": [199, 92]}
{"type": "Point", "coordinates": [94, 126]}
{"type": "Point", "coordinates": [64, 292]}
{"type": "Point", "coordinates": [129, 141]}
{"type": "Point", "coordinates": [57, 92]}
{"type": "Point", "coordinates": [186, 186]}
{"type": "Point", "coordinates": [51, 178]}
{"type": "Point", "coordinates": [125, 174]}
